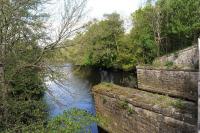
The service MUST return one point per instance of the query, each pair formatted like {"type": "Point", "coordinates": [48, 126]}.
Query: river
{"type": "Point", "coordinates": [74, 91]}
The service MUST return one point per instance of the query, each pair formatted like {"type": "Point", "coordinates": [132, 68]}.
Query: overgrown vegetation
{"type": "Point", "coordinates": [169, 64]}
{"type": "Point", "coordinates": [125, 105]}
{"type": "Point", "coordinates": [24, 47]}
{"type": "Point", "coordinates": [73, 120]}
{"type": "Point", "coordinates": [158, 28]}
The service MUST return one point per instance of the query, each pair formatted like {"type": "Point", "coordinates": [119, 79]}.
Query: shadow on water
{"type": "Point", "coordinates": [75, 90]}
{"type": "Point", "coordinates": [98, 75]}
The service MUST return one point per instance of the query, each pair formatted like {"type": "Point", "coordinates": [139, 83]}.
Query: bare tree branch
{"type": "Point", "coordinates": [73, 13]}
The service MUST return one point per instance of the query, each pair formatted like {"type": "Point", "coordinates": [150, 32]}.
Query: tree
{"type": "Point", "coordinates": [181, 24]}
{"type": "Point", "coordinates": [101, 40]}
{"type": "Point", "coordinates": [126, 59]}
{"type": "Point", "coordinates": [142, 35]}
{"type": "Point", "coordinates": [24, 45]}
{"type": "Point", "coordinates": [159, 27]}
{"type": "Point", "coordinates": [163, 27]}
{"type": "Point", "coordinates": [156, 26]}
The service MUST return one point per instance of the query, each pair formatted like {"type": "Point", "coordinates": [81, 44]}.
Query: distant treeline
{"type": "Point", "coordinates": [159, 28]}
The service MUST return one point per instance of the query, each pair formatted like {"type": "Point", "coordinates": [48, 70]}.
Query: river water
{"type": "Point", "coordinates": [74, 91]}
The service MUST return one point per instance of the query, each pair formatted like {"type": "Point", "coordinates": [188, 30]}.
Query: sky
{"type": "Point", "coordinates": [97, 8]}
{"type": "Point", "coordinates": [124, 7]}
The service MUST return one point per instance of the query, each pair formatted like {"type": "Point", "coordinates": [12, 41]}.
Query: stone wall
{"type": "Point", "coordinates": [186, 58]}
{"type": "Point", "coordinates": [165, 100]}
{"type": "Point", "coordinates": [178, 83]}
{"type": "Point", "coordinates": [128, 110]}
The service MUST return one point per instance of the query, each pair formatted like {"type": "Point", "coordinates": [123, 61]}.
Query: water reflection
{"type": "Point", "coordinates": [75, 90]}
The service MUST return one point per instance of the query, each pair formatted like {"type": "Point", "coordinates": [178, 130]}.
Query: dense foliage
{"type": "Point", "coordinates": [104, 43]}
{"type": "Point", "coordinates": [142, 35]}
{"type": "Point", "coordinates": [22, 69]}
{"type": "Point", "coordinates": [180, 25]}
{"type": "Point", "coordinates": [22, 82]}
{"type": "Point", "coordinates": [159, 28]}
{"type": "Point", "coordinates": [71, 121]}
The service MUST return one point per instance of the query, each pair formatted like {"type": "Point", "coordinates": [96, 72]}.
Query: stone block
{"type": "Point", "coordinates": [128, 110]}
{"type": "Point", "coordinates": [177, 83]}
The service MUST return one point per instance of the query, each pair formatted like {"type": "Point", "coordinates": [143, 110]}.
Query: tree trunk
{"type": "Point", "coordinates": [3, 86]}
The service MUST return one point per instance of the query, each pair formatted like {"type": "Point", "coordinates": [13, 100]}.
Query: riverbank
{"type": "Point", "coordinates": [75, 89]}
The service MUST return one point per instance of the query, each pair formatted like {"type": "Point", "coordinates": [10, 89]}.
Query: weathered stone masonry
{"type": "Point", "coordinates": [186, 58]}
{"type": "Point", "coordinates": [177, 83]}
{"type": "Point", "coordinates": [164, 102]}
{"type": "Point", "coordinates": [134, 111]}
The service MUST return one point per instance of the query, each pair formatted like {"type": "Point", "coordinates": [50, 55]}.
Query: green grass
{"type": "Point", "coordinates": [123, 104]}
{"type": "Point", "coordinates": [169, 64]}
{"type": "Point", "coordinates": [178, 104]}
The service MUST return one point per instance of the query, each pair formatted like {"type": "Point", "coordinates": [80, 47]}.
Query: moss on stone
{"type": "Point", "coordinates": [131, 111]}
{"type": "Point", "coordinates": [123, 104]}
{"type": "Point", "coordinates": [127, 95]}
{"type": "Point", "coordinates": [166, 101]}
{"type": "Point", "coordinates": [103, 120]}
{"type": "Point", "coordinates": [178, 104]}
{"type": "Point", "coordinates": [103, 87]}
{"type": "Point", "coordinates": [104, 100]}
